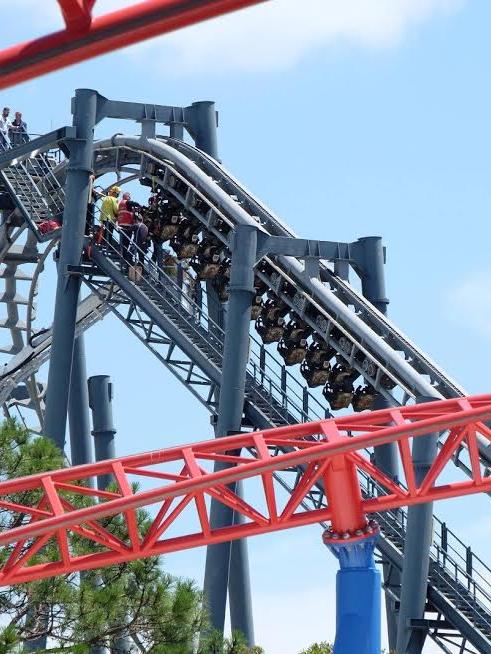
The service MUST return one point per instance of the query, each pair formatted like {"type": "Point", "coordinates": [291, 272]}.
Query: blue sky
{"type": "Point", "coordinates": [350, 118]}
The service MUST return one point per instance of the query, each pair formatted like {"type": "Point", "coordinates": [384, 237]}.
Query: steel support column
{"type": "Point", "coordinates": [176, 131]}
{"type": "Point", "coordinates": [203, 127]}
{"type": "Point", "coordinates": [231, 404]}
{"type": "Point", "coordinates": [341, 269]}
{"type": "Point", "coordinates": [239, 583]}
{"type": "Point", "coordinates": [80, 445]}
{"type": "Point", "coordinates": [351, 538]}
{"type": "Point", "coordinates": [79, 421]}
{"type": "Point", "coordinates": [68, 286]}
{"type": "Point", "coordinates": [385, 456]}
{"type": "Point", "coordinates": [78, 408]}
{"type": "Point", "coordinates": [419, 536]}
{"type": "Point", "coordinates": [100, 400]}
{"type": "Point", "coordinates": [358, 608]}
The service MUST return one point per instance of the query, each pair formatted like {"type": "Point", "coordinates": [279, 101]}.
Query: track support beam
{"type": "Point", "coordinates": [371, 265]}
{"type": "Point", "coordinates": [100, 399]}
{"type": "Point", "coordinates": [68, 286]}
{"type": "Point", "coordinates": [358, 606]}
{"type": "Point", "coordinates": [351, 538]}
{"type": "Point", "coordinates": [419, 536]}
{"type": "Point", "coordinates": [78, 408]}
{"type": "Point", "coordinates": [230, 409]}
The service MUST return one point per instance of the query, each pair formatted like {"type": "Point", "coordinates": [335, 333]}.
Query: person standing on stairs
{"type": "Point", "coordinates": [126, 221]}
{"type": "Point", "coordinates": [140, 237]}
{"type": "Point", "coordinates": [4, 129]}
{"type": "Point", "coordinates": [18, 130]}
{"type": "Point", "coordinates": [109, 214]}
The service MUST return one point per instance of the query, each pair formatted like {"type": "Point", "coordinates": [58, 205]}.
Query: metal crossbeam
{"type": "Point", "coordinates": [332, 450]}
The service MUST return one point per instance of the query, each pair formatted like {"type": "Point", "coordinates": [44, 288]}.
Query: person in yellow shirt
{"type": "Point", "coordinates": [109, 212]}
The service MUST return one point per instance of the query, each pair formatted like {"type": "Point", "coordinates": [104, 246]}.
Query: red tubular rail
{"type": "Point", "coordinates": [86, 37]}
{"type": "Point", "coordinates": [182, 482]}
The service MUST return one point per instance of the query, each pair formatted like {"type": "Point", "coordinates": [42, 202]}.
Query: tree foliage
{"type": "Point", "coordinates": [162, 614]}
{"type": "Point", "coordinates": [215, 643]}
{"type": "Point", "coordinates": [325, 648]}
{"type": "Point", "coordinates": [318, 648]}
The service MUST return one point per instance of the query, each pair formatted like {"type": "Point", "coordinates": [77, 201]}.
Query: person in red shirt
{"type": "Point", "coordinates": [126, 221]}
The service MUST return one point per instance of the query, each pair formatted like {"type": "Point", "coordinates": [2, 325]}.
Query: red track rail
{"type": "Point", "coordinates": [85, 37]}
{"type": "Point", "coordinates": [183, 481]}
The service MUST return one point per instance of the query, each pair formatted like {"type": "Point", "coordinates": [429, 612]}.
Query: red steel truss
{"type": "Point", "coordinates": [180, 481]}
{"type": "Point", "coordinates": [86, 36]}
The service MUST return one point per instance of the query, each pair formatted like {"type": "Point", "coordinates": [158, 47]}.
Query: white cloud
{"type": "Point", "coordinates": [277, 34]}
{"type": "Point", "coordinates": [469, 303]}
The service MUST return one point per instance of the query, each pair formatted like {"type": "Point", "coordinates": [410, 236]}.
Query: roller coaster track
{"type": "Point", "coordinates": [364, 337]}
{"type": "Point", "coordinates": [189, 343]}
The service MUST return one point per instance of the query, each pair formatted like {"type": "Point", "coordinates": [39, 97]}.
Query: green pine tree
{"type": "Point", "coordinates": [318, 648]}
{"type": "Point", "coordinates": [161, 613]}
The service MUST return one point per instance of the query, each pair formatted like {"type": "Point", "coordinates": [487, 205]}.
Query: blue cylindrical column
{"type": "Point", "coordinates": [230, 408]}
{"type": "Point", "coordinates": [358, 601]}
{"type": "Point", "coordinates": [68, 286]}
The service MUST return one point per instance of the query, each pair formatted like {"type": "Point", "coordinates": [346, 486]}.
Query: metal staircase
{"type": "Point", "coordinates": [185, 339]}
{"type": "Point", "coordinates": [36, 190]}
{"type": "Point", "coordinates": [37, 195]}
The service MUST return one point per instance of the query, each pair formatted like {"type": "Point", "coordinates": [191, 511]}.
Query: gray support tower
{"type": "Point", "coordinates": [204, 131]}
{"type": "Point", "coordinates": [203, 127]}
{"type": "Point", "coordinates": [78, 408]}
{"type": "Point", "coordinates": [68, 286]}
{"type": "Point", "coordinates": [100, 400]}
{"type": "Point", "coordinates": [231, 404]}
{"type": "Point", "coordinates": [419, 536]}
{"type": "Point", "coordinates": [80, 445]}
{"type": "Point", "coordinates": [385, 456]}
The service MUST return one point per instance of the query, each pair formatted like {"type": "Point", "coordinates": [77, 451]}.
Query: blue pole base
{"type": "Point", "coordinates": [358, 598]}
